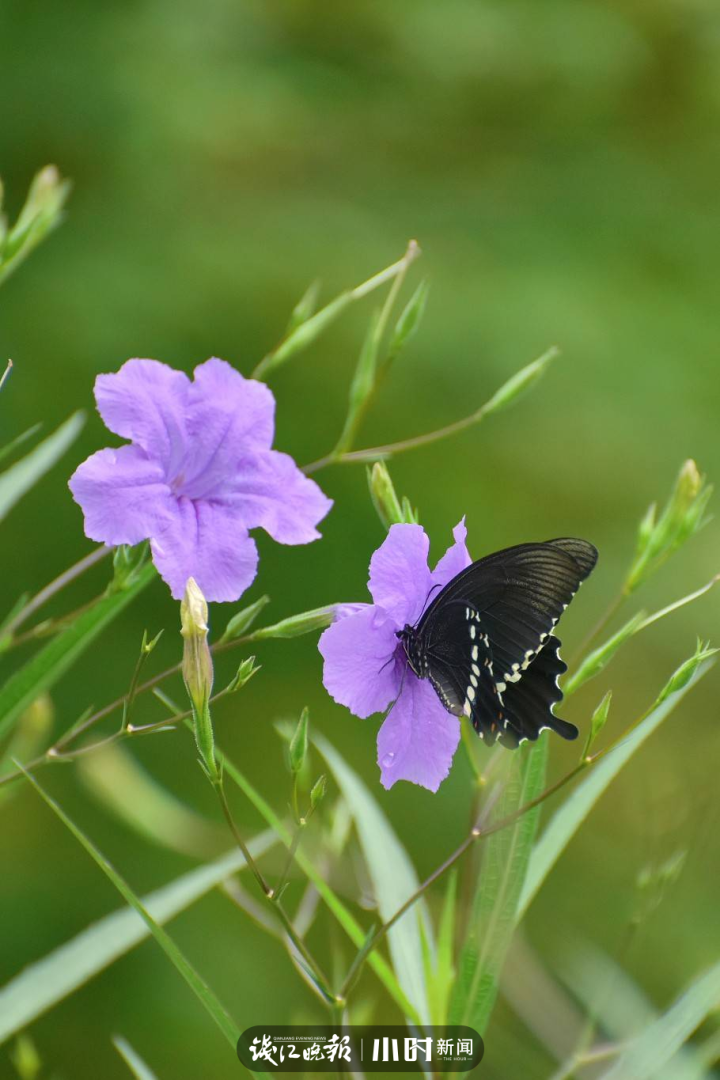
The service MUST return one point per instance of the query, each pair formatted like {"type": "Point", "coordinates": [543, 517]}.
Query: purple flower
{"type": "Point", "coordinates": [197, 475]}
{"type": "Point", "coordinates": [366, 667]}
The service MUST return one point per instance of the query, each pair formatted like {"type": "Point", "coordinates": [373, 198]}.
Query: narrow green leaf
{"type": "Point", "coordinates": [344, 917]}
{"type": "Point", "coordinates": [392, 874]}
{"type": "Point", "coordinates": [304, 308]}
{"type": "Point", "coordinates": [620, 1006]}
{"type": "Point", "coordinates": [132, 1059]}
{"type": "Point", "coordinates": [21, 476]}
{"type": "Point", "coordinates": [650, 1051]}
{"type": "Point", "coordinates": [12, 446]}
{"type": "Point", "coordinates": [244, 619]}
{"type": "Point", "coordinates": [408, 323]}
{"type": "Point", "coordinates": [362, 385]}
{"type": "Point", "coordinates": [598, 722]}
{"type": "Point", "coordinates": [47, 981]}
{"type": "Point", "coordinates": [599, 658]}
{"type": "Point", "coordinates": [196, 983]}
{"type": "Point", "coordinates": [505, 858]}
{"type": "Point", "coordinates": [440, 985]}
{"type": "Point", "coordinates": [566, 821]}
{"type": "Point", "coordinates": [48, 665]}
{"type": "Point", "coordinates": [518, 383]}
{"type": "Point", "coordinates": [299, 743]}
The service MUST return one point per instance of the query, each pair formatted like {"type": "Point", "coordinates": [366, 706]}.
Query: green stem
{"type": "Point", "coordinates": [55, 586]}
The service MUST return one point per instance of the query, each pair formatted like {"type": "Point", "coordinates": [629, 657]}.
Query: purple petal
{"type": "Point", "coordinates": [360, 669]}
{"type": "Point", "coordinates": [270, 491]}
{"type": "Point", "coordinates": [418, 738]}
{"type": "Point", "coordinates": [455, 559]}
{"type": "Point", "coordinates": [146, 401]}
{"type": "Point", "coordinates": [400, 581]}
{"type": "Point", "coordinates": [207, 541]}
{"type": "Point", "coordinates": [227, 416]}
{"type": "Point", "coordinates": [123, 496]}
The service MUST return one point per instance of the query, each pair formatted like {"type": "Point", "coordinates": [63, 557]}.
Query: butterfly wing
{"type": "Point", "coordinates": [488, 638]}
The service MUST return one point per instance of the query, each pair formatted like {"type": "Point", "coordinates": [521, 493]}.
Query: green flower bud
{"type": "Point", "coordinates": [686, 671]}
{"type": "Point", "coordinates": [299, 743]}
{"type": "Point", "coordinates": [296, 625]}
{"type": "Point", "coordinates": [519, 383]}
{"type": "Point", "coordinates": [243, 674]}
{"type": "Point", "coordinates": [593, 664]}
{"type": "Point", "coordinates": [317, 792]}
{"type": "Point", "coordinates": [599, 719]}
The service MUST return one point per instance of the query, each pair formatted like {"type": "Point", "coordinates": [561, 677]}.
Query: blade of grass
{"type": "Point", "coordinates": [21, 476]}
{"type": "Point", "coordinates": [393, 877]}
{"type": "Point", "coordinates": [655, 1047]}
{"type": "Point", "coordinates": [344, 917]}
{"type": "Point", "coordinates": [504, 864]}
{"type": "Point", "coordinates": [195, 981]}
{"type": "Point", "coordinates": [48, 665]}
{"type": "Point", "coordinates": [132, 1059]}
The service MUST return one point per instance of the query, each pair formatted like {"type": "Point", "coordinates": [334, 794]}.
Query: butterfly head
{"type": "Point", "coordinates": [415, 657]}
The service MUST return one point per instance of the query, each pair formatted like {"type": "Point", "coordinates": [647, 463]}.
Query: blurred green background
{"type": "Point", "coordinates": [558, 164]}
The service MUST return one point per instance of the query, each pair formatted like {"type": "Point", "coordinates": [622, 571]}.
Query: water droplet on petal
{"type": "Point", "coordinates": [387, 761]}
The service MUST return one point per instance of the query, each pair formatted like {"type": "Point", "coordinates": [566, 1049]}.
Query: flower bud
{"type": "Point", "coordinates": [296, 625]}
{"type": "Point", "coordinates": [197, 667]}
{"type": "Point", "coordinates": [383, 495]}
{"type": "Point", "coordinates": [299, 744]}
{"type": "Point", "coordinates": [680, 679]}
{"type": "Point", "coordinates": [197, 670]}
{"type": "Point", "coordinates": [518, 383]}
{"type": "Point", "coordinates": [317, 792]}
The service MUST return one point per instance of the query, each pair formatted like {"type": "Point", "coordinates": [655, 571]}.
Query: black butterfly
{"type": "Point", "coordinates": [486, 641]}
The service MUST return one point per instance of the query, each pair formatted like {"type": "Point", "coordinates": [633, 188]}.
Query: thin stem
{"type": "Point", "coordinates": [6, 372]}
{"type": "Point", "coordinates": [479, 832]}
{"type": "Point", "coordinates": [378, 452]}
{"type": "Point", "coordinates": [274, 898]}
{"type": "Point", "coordinates": [347, 436]}
{"type": "Point", "coordinates": [598, 628]}
{"type": "Point", "coordinates": [271, 359]}
{"type": "Point", "coordinates": [290, 857]}
{"type": "Point", "coordinates": [257, 872]}
{"type": "Point", "coordinates": [56, 586]}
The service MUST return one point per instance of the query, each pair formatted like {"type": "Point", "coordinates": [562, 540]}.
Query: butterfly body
{"type": "Point", "coordinates": [486, 641]}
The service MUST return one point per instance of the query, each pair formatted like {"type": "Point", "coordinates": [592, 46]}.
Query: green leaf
{"type": "Point", "coordinates": [407, 325]}
{"type": "Point", "coordinates": [566, 821]}
{"type": "Point", "coordinates": [18, 441]}
{"type": "Point", "coordinates": [295, 625]}
{"type": "Point", "coordinates": [41, 213]}
{"type": "Point", "coordinates": [599, 658]}
{"type": "Point", "coordinates": [518, 383]}
{"type": "Point", "coordinates": [244, 619]}
{"type": "Point", "coordinates": [505, 857]}
{"type": "Point", "coordinates": [299, 743]}
{"type": "Point", "coordinates": [650, 1051]}
{"type": "Point", "coordinates": [393, 877]}
{"type": "Point", "coordinates": [196, 983]}
{"type": "Point", "coordinates": [362, 385]}
{"type": "Point", "coordinates": [132, 1059]}
{"type": "Point", "coordinates": [58, 656]}
{"type": "Point", "coordinates": [44, 983]}
{"type": "Point", "coordinates": [440, 985]}
{"type": "Point", "coordinates": [21, 476]}
{"type": "Point", "coordinates": [344, 917]}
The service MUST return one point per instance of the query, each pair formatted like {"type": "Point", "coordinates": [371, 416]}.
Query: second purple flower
{"type": "Point", "coordinates": [365, 664]}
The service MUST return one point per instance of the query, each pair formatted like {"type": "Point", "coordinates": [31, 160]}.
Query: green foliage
{"type": "Point", "coordinates": [41, 213]}
{"type": "Point", "coordinates": [23, 475]}
{"type": "Point", "coordinates": [392, 874]}
{"type": "Point", "coordinates": [132, 1059]}
{"type": "Point", "coordinates": [505, 858]}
